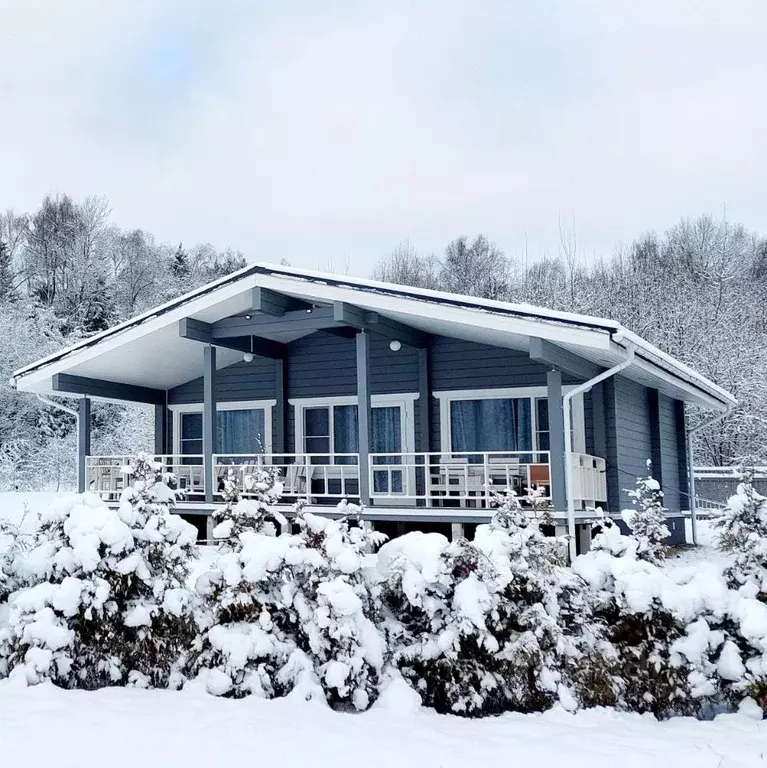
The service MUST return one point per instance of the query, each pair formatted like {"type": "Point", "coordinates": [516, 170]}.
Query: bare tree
{"type": "Point", "coordinates": [476, 268]}
{"type": "Point", "coordinates": [405, 266]}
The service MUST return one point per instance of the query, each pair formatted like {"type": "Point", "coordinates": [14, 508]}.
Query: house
{"type": "Point", "coordinates": [415, 401]}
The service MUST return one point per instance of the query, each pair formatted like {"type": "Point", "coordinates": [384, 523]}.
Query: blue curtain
{"type": "Point", "coordinates": [386, 435]}
{"type": "Point", "coordinates": [498, 424]}
{"type": "Point", "coordinates": [241, 431]}
{"type": "Point", "coordinates": [345, 433]}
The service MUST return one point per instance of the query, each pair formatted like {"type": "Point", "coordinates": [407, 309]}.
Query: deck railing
{"type": "Point", "coordinates": [108, 475]}
{"type": "Point", "coordinates": [464, 479]}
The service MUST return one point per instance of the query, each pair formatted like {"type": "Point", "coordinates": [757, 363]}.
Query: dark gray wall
{"type": "Point", "coordinates": [669, 451]}
{"type": "Point", "coordinates": [457, 364]}
{"type": "Point", "coordinates": [637, 430]}
{"type": "Point", "coordinates": [324, 365]}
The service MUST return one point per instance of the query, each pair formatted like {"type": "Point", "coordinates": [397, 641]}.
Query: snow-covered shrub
{"type": "Point", "coordinates": [495, 624]}
{"type": "Point", "coordinates": [249, 506]}
{"type": "Point", "coordinates": [742, 534]}
{"type": "Point", "coordinates": [107, 601]}
{"type": "Point", "coordinates": [662, 628]}
{"type": "Point", "coordinates": [648, 518]}
{"type": "Point", "coordinates": [284, 607]}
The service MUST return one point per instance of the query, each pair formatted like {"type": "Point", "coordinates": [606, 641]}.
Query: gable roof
{"type": "Point", "coordinates": [147, 350]}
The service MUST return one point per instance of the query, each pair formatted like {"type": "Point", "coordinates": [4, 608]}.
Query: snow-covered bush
{"type": "Point", "coordinates": [107, 601]}
{"type": "Point", "coordinates": [286, 608]}
{"type": "Point", "coordinates": [495, 624]}
{"type": "Point", "coordinates": [742, 534]}
{"type": "Point", "coordinates": [250, 505]}
{"type": "Point", "coordinates": [648, 518]}
{"type": "Point", "coordinates": [685, 643]}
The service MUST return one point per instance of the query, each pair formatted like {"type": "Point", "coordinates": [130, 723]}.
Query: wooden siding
{"type": "Point", "coordinates": [669, 451]}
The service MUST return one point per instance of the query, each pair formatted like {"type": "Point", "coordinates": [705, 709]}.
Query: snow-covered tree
{"type": "Point", "coordinates": [250, 500]}
{"type": "Point", "coordinates": [648, 518]}
{"type": "Point", "coordinates": [742, 534]}
{"type": "Point", "coordinates": [288, 609]}
{"type": "Point", "coordinates": [107, 601]}
{"type": "Point", "coordinates": [495, 624]}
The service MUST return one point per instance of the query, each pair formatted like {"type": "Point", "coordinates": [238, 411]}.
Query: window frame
{"type": "Point", "coordinates": [405, 400]}
{"type": "Point", "coordinates": [446, 397]}
{"type": "Point", "coordinates": [233, 405]}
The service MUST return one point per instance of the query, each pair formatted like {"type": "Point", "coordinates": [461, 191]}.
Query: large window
{"type": "Point", "coordinates": [515, 420]}
{"type": "Point", "coordinates": [238, 431]}
{"type": "Point", "coordinates": [497, 424]}
{"type": "Point", "coordinates": [334, 429]}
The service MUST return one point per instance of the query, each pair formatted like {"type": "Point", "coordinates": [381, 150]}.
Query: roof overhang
{"type": "Point", "coordinates": [147, 351]}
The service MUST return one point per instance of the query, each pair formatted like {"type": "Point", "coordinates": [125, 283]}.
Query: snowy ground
{"type": "Point", "coordinates": [125, 727]}
{"type": "Point", "coordinates": [16, 507]}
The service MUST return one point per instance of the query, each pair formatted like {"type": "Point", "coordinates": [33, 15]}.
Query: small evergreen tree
{"type": "Point", "coordinates": [495, 624]}
{"type": "Point", "coordinates": [179, 266]}
{"type": "Point", "coordinates": [250, 507]}
{"type": "Point", "coordinates": [293, 610]}
{"type": "Point", "coordinates": [743, 534]}
{"type": "Point", "coordinates": [108, 602]}
{"type": "Point", "coordinates": [648, 518]}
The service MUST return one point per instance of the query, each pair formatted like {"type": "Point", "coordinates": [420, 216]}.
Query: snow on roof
{"type": "Point", "coordinates": [407, 294]}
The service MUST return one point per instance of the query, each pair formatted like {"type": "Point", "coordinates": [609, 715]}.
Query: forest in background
{"type": "Point", "coordinates": [697, 292]}
{"type": "Point", "coordinates": [66, 271]}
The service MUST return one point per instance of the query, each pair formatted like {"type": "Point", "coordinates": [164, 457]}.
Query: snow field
{"type": "Point", "coordinates": [128, 728]}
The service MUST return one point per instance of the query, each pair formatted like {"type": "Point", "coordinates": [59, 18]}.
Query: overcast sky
{"type": "Point", "coordinates": [320, 132]}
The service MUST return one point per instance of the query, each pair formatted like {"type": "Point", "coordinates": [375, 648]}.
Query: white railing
{"type": "Point", "coordinates": [304, 476]}
{"type": "Point", "coordinates": [107, 475]}
{"type": "Point", "coordinates": [589, 479]}
{"type": "Point", "coordinates": [465, 479]}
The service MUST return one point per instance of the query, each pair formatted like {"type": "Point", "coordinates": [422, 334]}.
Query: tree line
{"type": "Point", "coordinates": [696, 291]}
{"type": "Point", "coordinates": [66, 272]}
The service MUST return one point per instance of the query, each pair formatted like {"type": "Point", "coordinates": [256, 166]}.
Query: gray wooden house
{"type": "Point", "coordinates": [417, 402]}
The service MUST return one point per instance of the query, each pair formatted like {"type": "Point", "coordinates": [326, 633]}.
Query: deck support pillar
{"type": "Point", "coordinates": [161, 430]}
{"type": "Point", "coordinates": [364, 413]}
{"type": "Point", "coordinates": [456, 531]}
{"type": "Point", "coordinates": [83, 441]}
{"type": "Point", "coordinates": [424, 403]}
{"type": "Point", "coordinates": [209, 417]}
{"type": "Point", "coordinates": [281, 406]}
{"type": "Point", "coordinates": [557, 439]}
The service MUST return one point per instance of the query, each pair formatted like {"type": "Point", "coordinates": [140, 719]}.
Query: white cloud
{"type": "Point", "coordinates": [319, 134]}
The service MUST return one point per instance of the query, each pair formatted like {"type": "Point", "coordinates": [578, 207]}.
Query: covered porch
{"type": "Point", "coordinates": [410, 480]}
{"type": "Point", "coordinates": [399, 440]}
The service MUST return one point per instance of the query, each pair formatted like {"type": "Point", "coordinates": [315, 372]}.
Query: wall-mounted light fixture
{"type": "Point", "coordinates": [395, 345]}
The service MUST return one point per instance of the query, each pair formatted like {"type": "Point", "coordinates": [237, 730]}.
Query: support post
{"type": "Point", "coordinates": [456, 531]}
{"type": "Point", "coordinates": [160, 430]}
{"type": "Point", "coordinates": [557, 439]}
{"type": "Point", "coordinates": [656, 450]}
{"type": "Point", "coordinates": [209, 417]}
{"type": "Point", "coordinates": [281, 406]}
{"type": "Point", "coordinates": [83, 441]}
{"type": "Point", "coordinates": [424, 402]}
{"type": "Point", "coordinates": [364, 413]}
